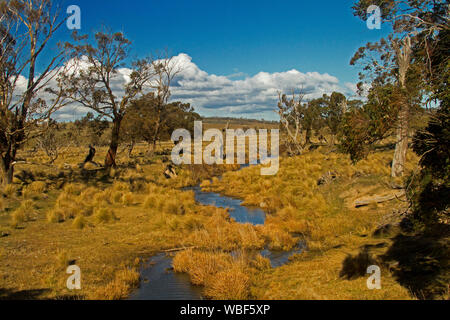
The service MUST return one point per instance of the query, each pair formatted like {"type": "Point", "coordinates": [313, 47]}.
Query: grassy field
{"type": "Point", "coordinates": [54, 216]}
{"type": "Point", "coordinates": [340, 238]}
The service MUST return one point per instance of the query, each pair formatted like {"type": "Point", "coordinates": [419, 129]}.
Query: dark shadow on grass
{"type": "Point", "coordinates": [35, 294]}
{"type": "Point", "coordinates": [421, 262]}
{"type": "Point", "coordinates": [354, 267]}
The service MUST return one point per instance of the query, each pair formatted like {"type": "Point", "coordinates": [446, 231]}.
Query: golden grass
{"type": "Point", "coordinates": [325, 217]}
{"type": "Point", "coordinates": [79, 222]}
{"type": "Point", "coordinates": [124, 282]}
{"type": "Point", "coordinates": [104, 215]}
{"type": "Point", "coordinates": [224, 277]}
{"type": "Point", "coordinates": [156, 215]}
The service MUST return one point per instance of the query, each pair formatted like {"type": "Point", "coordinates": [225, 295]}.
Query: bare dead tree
{"type": "Point", "coordinates": [291, 113]}
{"type": "Point", "coordinates": [165, 70]}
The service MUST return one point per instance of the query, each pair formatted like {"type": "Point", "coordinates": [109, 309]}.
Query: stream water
{"type": "Point", "coordinates": [159, 282]}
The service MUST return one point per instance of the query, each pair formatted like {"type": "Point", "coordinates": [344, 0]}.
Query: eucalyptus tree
{"type": "Point", "coordinates": [392, 59]}
{"type": "Point", "coordinates": [29, 68]}
{"type": "Point", "coordinates": [101, 82]}
{"type": "Point", "coordinates": [106, 82]}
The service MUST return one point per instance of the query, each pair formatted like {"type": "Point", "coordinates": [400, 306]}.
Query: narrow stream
{"type": "Point", "coordinates": [159, 282]}
{"type": "Point", "coordinates": [238, 212]}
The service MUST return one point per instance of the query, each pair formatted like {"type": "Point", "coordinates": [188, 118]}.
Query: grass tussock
{"type": "Point", "coordinates": [104, 215]}
{"type": "Point", "coordinates": [224, 276]}
{"type": "Point", "coordinates": [79, 222]}
{"type": "Point", "coordinates": [10, 191]}
{"type": "Point", "coordinates": [25, 213]}
{"type": "Point", "coordinates": [125, 280]}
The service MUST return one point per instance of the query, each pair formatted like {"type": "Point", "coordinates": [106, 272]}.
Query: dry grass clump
{"type": "Point", "coordinates": [34, 190]}
{"type": "Point", "coordinates": [100, 198]}
{"type": "Point", "coordinates": [277, 238]}
{"type": "Point", "coordinates": [201, 265]}
{"type": "Point", "coordinates": [125, 280]}
{"type": "Point", "coordinates": [79, 222]}
{"type": "Point", "coordinates": [215, 230]}
{"type": "Point", "coordinates": [2, 204]}
{"type": "Point", "coordinates": [249, 236]}
{"type": "Point", "coordinates": [174, 206]}
{"type": "Point", "coordinates": [23, 214]}
{"type": "Point", "coordinates": [68, 206]}
{"type": "Point", "coordinates": [56, 216]}
{"type": "Point", "coordinates": [18, 216]}
{"type": "Point", "coordinates": [128, 199]}
{"type": "Point", "coordinates": [73, 189]}
{"type": "Point", "coordinates": [229, 284]}
{"type": "Point", "coordinates": [224, 276]}
{"type": "Point", "coordinates": [205, 184]}
{"type": "Point", "coordinates": [121, 186]}
{"type": "Point", "coordinates": [116, 197]}
{"type": "Point", "coordinates": [104, 215]}
{"type": "Point", "coordinates": [10, 190]}
{"type": "Point", "coordinates": [154, 202]}
{"type": "Point", "coordinates": [87, 194]}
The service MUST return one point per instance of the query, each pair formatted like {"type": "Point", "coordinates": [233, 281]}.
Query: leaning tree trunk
{"type": "Point", "coordinates": [403, 53]}
{"type": "Point", "coordinates": [110, 160]}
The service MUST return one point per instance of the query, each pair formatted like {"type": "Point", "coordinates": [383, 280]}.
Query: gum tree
{"type": "Point", "coordinates": [392, 60]}
{"type": "Point", "coordinates": [26, 29]}
{"type": "Point", "coordinates": [98, 83]}
{"type": "Point", "coordinates": [97, 77]}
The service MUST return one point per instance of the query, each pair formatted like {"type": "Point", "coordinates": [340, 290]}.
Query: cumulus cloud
{"type": "Point", "coordinates": [237, 95]}
{"type": "Point", "coordinates": [254, 96]}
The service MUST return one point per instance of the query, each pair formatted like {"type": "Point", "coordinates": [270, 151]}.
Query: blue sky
{"type": "Point", "coordinates": [240, 38]}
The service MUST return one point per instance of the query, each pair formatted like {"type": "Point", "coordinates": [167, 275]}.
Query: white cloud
{"type": "Point", "coordinates": [235, 95]}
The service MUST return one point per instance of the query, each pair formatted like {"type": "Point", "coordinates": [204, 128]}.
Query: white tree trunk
{"type": "Point", "coordinates": [403, 53]}
{"type": "Point", "coordinates": [401, 146]}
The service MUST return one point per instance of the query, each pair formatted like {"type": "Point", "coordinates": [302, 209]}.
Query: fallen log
{"type": "Point", "coordinates": [381, 199]}
{"type": "Point", "coordinates": [179, 249]}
